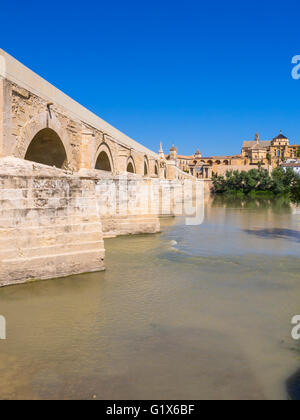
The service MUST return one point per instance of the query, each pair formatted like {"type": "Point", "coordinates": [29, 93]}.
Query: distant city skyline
{"type": "Point", "coordinates": [254, 138]}
{"type": "Point", "coordinates": [195, 75]}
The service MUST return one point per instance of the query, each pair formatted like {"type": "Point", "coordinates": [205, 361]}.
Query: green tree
{"type": "Point", "coordinates": [255, 181]}
{"type": "Point", "coordinates": [282, 180]}
{"type": "Point", "coordinates": [295, 190]}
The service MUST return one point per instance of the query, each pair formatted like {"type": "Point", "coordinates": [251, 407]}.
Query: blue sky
{"type": "Point", "coordinates": [192, 73]}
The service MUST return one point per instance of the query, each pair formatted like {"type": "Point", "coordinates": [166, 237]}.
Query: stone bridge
{"type": "Point", "coordinates": [40, 123]}
{"type": "Point", "coordinates": [68, 180]}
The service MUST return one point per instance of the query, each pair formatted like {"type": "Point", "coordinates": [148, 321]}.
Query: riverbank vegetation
{"type": "Point", "coordinates": [259, 183]}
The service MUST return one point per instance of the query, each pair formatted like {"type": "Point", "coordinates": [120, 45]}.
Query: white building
{"type": "Point", "coordinates": [294, 165]}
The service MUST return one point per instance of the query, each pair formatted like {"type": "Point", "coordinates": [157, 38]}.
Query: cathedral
{"type": "Point", "coordinates": [274, 152]}
{"type": "Point", "coordinates": [255, 154]}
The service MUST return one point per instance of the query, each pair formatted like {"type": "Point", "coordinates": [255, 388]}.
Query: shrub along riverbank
{"type": "Point", "coordinates": [258, 183]}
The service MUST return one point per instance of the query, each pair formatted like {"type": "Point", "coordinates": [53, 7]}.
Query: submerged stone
{"type": "Point", "coordinates": [293, 386]}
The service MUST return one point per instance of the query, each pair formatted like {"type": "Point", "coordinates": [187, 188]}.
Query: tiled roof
{"type": "Point", "coordinates": [207, 157]}
{"type": "Point", "coordinates": [218, 157]}
{"type": "Point", "coordinates": [280, 137]}
{"type": "Point", "coordinates": [291, 165]}
{"type": "Point", "coordinates": [264, 143]}
{"type": "Point", "coordinates": [258, 146]}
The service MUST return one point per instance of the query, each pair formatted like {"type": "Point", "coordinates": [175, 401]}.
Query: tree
{"type": "Point", "coordinates": [255, 181]}
{"type": "Point", "coordinates": [295, 190]}
{"type": "Point", "coordinates": [282, 180]}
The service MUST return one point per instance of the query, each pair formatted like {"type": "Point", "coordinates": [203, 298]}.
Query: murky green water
{"type": "Point", "coordinates": [194, 313]}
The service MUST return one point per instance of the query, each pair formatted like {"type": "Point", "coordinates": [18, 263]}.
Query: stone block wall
{"type": "Point", "coordinates": [52, 222]}
{"type": "Point", "coordinates": [125, 204]}
{"type": "Point", "coordinates": [133, 205]}
{"type": "Point", "coordinates": [24, 114]}
{"type": "Point", "coordinates": [49, 224]}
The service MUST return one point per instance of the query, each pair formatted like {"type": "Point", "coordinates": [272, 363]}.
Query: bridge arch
{"type": "Point", "coordinates": [131, 165]}
{"type": "Point", "coordinates": [146, 166]}
{"type": "Point", "coordinates": [36, 125]}
{"type": "Point", "coordinates": [104, 160]}
{"type": "Point", "coordinates": [156, 168]}
{"type": "Point", "coordinates": [47, 148]}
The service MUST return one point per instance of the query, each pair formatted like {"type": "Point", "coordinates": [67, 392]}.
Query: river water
{"type": "Point", "coordinates": [197, 312]}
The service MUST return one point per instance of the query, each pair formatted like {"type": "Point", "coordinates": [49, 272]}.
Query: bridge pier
{"type": "Point", "coordinates": [52, 223]}
{"type": "Point", "coordinates": [87, 150]}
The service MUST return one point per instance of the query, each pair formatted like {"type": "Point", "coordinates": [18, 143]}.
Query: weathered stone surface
{"type": "Point", "coordinates": [29, 105]}
{"type": "Point", "coordinates": [47, 229]}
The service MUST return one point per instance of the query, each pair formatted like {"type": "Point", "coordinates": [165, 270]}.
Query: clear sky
{"type": "Point", "coordinates": [193, 73]}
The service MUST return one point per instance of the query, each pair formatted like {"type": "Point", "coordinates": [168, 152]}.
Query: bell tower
{"type": "Point", "coordinates": [173, 153]}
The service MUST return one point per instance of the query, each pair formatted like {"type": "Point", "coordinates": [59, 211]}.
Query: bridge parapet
{"type": "Point", "coordinates": [39, 122]}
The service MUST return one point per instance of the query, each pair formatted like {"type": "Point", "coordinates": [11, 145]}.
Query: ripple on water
{"type": "Point", "coordinates": [197, 312]}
